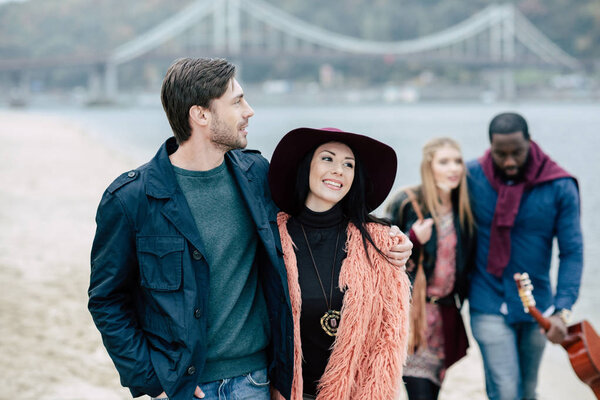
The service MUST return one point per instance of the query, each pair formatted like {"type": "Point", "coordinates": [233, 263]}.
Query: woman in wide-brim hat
{"type": "Point", "coordinates": [350, 338]}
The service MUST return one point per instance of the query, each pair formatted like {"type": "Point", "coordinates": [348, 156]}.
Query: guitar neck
{"type": "Point", "coordinates": [541, 320]}
{"type": "Point", "coordinates": [525, 293]}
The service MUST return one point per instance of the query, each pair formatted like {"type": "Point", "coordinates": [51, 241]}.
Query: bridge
{"type": "Point", "coordinates": [498, 38]}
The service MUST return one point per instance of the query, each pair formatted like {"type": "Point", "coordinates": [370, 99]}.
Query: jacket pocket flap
{"type": "Point", "coordinates": [160, 245]}
{"type": "Point", "coordinates": [160, 259]}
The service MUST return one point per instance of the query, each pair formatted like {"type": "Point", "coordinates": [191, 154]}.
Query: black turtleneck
{"type": "Point", "coordinates": [322, 230]}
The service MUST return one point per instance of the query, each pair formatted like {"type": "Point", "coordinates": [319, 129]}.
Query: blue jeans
{"type": "Point", "coordinates": [511, 355]}
{"type": "Point", "coordinates": [251, 386]}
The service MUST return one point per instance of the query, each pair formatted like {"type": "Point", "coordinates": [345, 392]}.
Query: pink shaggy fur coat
{"type": "Point", "coordinates": [370, 349]}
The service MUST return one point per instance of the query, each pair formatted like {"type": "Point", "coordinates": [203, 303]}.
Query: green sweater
{"type": "Point", "coordinates": [238, 323]}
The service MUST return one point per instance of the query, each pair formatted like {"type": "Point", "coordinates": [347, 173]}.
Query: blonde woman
{"type": "Point", "coordinates": [438, 217]}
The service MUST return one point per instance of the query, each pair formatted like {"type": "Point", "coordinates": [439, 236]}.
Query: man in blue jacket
{"type": "Point", "coordinates": [187, 283]}
{"type": "Point", "coordinates": [521, 200]}
{"type": "Point", "coordinates": [188, 286]}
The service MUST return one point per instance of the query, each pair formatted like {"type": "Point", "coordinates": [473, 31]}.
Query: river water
{"type": "Point", "coordinates": [566, 131]}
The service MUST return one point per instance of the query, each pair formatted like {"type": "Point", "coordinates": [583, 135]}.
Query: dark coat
{"type": "Point", "coordinates": [149, 283]}
{"type": "Point", "coordinates": [402, 213]}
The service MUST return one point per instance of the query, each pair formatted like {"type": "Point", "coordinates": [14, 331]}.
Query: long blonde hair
{"type": "Point", "coordinates": [431, 200]}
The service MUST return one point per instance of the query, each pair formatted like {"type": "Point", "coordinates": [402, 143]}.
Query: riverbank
{"type": "Point", "coordinates": [53, 176]}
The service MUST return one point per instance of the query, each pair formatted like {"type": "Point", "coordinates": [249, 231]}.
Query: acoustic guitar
{"type": "Point", "coordinates": [582, 342]}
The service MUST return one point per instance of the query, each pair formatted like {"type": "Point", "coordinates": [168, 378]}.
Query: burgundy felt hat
{"type": "Point", "coordinates": [378, 159]}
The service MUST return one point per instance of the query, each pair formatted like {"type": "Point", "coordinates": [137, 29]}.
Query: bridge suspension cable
{"type": "Point", "coordinates": [531, 37]}
{"type": "Point", "coordinates": [158, 35]}
{"type": "Point", "coordinates": [294, 26]}
{"type": "Point", "coordinates": [490, 17]}
{"type": "Point", "coordinates": [504, 22]}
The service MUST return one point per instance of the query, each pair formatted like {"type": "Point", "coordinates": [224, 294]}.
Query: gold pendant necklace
{"type": "Point", "coordinates": [330, 321]}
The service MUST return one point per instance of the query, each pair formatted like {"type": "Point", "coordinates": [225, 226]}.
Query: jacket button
{"type": "Point", "coordinates": [197, 313]}
{"type": "Point", "coordinates": [131, 174]}
{"type": "Point", "coordinates": [191, 370]}
{"type": "Point", "coordinates": [197, 255]}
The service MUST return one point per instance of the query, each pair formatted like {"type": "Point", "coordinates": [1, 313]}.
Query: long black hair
{"type": "Point", "coordinates": [354, 204]}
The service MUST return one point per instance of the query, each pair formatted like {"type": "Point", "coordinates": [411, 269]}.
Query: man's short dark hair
{"type": "Point", "coordinates": [508, 123]}
{"type": "Point", "coordinates": [192, 82]}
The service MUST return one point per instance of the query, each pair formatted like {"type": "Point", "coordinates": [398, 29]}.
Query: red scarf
{"type": "Point", "coordinates": [541, 169]}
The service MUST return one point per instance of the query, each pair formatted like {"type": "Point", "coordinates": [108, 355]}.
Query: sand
{"type": "Point", "coordinates": [52, 178]}
{"type": "Point", "coordinates": [53, 175]}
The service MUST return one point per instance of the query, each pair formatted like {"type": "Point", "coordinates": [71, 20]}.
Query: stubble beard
{"type": "Point", "coordinates": [225, 138]}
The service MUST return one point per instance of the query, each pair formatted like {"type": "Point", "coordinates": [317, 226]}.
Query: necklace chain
{"type": "Point", "coordinates": [330, 303]}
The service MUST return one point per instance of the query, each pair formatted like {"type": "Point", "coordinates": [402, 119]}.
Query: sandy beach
{"type": "Point", "coordinates": [53, 174]}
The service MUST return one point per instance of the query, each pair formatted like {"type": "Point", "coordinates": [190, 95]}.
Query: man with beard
{"type": "Point", "coordinates": [521, 200]}
{"type": "Point", "coordinates": [188, 286]}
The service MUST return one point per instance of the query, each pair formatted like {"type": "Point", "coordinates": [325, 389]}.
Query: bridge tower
{"type": "Point", "coordinates": [226, 36]}
{"type": "Point", "coordinates": [512, 41]}
{"type": "Point", "coordinates": [497, 39]}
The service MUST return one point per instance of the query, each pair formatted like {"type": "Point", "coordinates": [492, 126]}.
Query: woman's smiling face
{"type": "Point", "coordinates": [447, 167]}
{"type": "Point", "coordinates": [331, 176]}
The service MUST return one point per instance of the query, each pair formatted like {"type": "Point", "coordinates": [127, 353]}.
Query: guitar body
{"type": "Point", "coordinates": [583, 346]}
{"type": "Point", "coordinates": [582, 342]}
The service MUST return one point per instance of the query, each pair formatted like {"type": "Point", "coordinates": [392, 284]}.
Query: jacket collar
{"type": "Point", "coordinates": [243, 163]}
{"type": "Point", "coordinates": [162, 183]}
